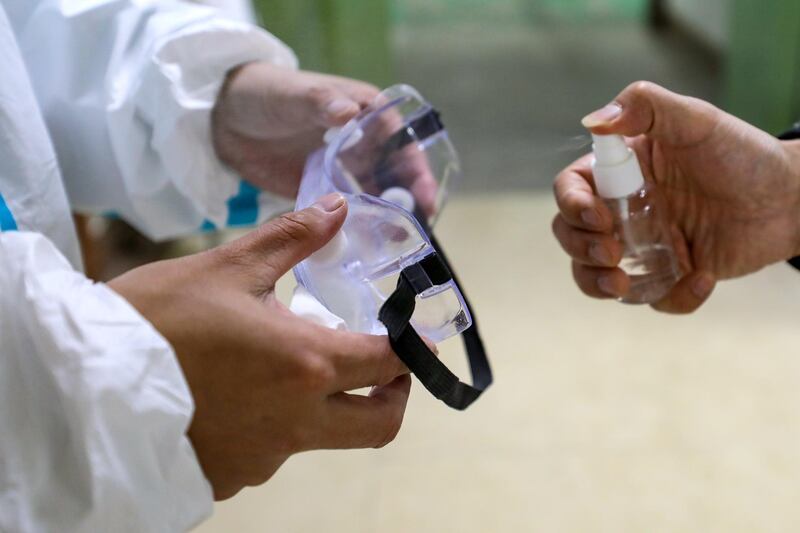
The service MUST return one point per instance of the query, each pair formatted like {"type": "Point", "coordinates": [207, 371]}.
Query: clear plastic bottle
{"type": "Point", "coordinates": [640, 221]}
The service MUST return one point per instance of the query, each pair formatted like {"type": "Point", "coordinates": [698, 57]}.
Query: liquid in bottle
{"type": "Point", "coordinates": [640, 221]}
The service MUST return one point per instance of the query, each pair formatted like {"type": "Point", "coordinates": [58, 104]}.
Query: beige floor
{"type": "Point", "coordinates": [604, 418]}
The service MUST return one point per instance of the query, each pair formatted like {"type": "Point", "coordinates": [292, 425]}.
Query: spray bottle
{"type": "Point", "coordinates": [640, 221]}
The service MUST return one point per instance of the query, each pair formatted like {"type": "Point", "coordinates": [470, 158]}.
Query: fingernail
{"type": "Point", "coordinates": [330, 202]}
{"type": "Point", "coordinates": [339, 106]}
{"type": "Point", "coordinates": [702, 286]}
{"type": "Point", "coordinates": [606, 284]}
{"type": "Point", "coordinates": [599, 253]}
{"type": "Point", "coordinates": [591, 218]}
{"type": "Point", "coordinates": [602, 116]}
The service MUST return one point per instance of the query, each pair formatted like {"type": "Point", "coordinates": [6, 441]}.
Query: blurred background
{"type": "Point", "coordinates": [604, 418]}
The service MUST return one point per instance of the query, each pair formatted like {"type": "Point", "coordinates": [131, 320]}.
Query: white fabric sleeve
{"type": "Point", "coordinates": [93, 406]}
{"type": "Point", "coordinates": [127, 88]}
{"type": "Point", "coordinates": [236, 9]}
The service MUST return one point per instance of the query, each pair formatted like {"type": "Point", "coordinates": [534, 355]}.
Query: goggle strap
{"type": "Point", "coordinates": [419, 129]}
{"type": "Point", "coordinates": [425, 126]}
{"type": "Point", "coordinates": [480, 369]}
{"type": "Point", "coordinates": [396, 315]}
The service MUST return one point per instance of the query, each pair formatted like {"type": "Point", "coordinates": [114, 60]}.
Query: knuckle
{"type": "Point", "coordinates": [363, 92]}
{"type": "Point", "coordinates": [561, 181]}
{"type": "Point", "coordinates": [319, 95]}
{"type": "Point", "coordinates": [586, 289]}
{"type": "Point", "coordinates": [226, 491]}
{"type": "Point", "coordinates": [388, 364]}
{"type": "Point", "coordinates": [579, 245]}
{"type": "Point", "coordinates": [392, 429]}
{"type": "Point", "coordinates": [368, 88]}
{"type": "Point", "coordinates": [256, 479]}
{"type": "Point", "coordinates": [706, 109]}
{"type": "Point", "coordinates": [580, 275]}
{"type": "Point", "coordinates": [388, 369]}
{"type": "Point", "coordinates": [314, 374]}
{"type": "Point", "coordinates": [555, 226]}
{"type": "Point", "coordinates": [670, 307]}
{"type": "Point", "coordinates": [571, 199]}
{"type": "Point", "coordinates": [291, 440]}
{"type": "Point", "coordinates": [641, 88]}
{"type": "Point", "coordinates": [562, 233]}
{"type": "Point", "coordinates": [614, 248]}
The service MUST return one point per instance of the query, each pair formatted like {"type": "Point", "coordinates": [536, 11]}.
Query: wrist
{"type": "Point", "coordinates": [792, 150]}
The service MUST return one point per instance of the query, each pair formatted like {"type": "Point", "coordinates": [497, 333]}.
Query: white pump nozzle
{"type": "Point", "coordinates": [610, 149]}
{"type": "Point", "coordinates": [617, 173]}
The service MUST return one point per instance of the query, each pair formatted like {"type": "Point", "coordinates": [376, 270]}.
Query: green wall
{"type": "Point", "coordinates": [353, 38]}
{"type": "Point", "coordinates": [347, 37]}
{"type": "Point", "coordinates": [764, 63]}
{"type": "Point", "coordinates": [516, 11]}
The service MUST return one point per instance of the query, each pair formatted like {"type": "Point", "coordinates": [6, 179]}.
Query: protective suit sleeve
{"type": "Point", "coordinates": [127, 88]}
{"type": "Point", "coordinates": [93, 406]}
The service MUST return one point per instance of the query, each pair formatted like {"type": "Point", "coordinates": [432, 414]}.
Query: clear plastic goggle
{"type": "Point", "coordinates": [394, 164]}
{"type": "Point", "coordinates": [384, 272]}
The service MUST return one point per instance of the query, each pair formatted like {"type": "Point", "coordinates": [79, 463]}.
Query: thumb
{"type": "Point", "coordinates": [645, 108]}
{"type": "Point", "coordinates": [276, 247]}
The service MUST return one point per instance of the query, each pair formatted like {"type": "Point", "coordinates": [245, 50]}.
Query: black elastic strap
{"type": "Point", "coordinates": [430, 370]}
{"type": "Point", "coordinates": [791, 135]}
{"type": "Point", "coordinates": [419, 129]}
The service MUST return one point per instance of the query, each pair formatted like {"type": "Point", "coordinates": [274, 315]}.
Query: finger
{"type": "Point", "coordinates": [425, 190]}
{"type": "Point", "coordinates": [361, 360]}
{"type": "Point", "coordinates": [576, 200]}
{"type": "Point", "coordinates": [588, 248]}
{"type": "Point", "coordinates": [328, 106]}
{"type": "Point", "coordinates": [363, 93]}
{"type": "Point", "coordinates": [277, 246]}
{"type": "Point", "coordinates": [644, 108]}
{"type": "Point", "coordinates": [366, 421]}
{"type": "Point", "coordinates": [689, 294]}
{"type": "Point", "coordinates": [601, 283]}
{"type": "Point", "coordinates": [412, 170]}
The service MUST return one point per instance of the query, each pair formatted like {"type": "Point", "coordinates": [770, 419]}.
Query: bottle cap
{"type": "Point", "coordinates": [617, 173]}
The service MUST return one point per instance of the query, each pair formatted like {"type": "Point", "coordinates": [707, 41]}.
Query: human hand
{"type": "Point", "coordinates": [733, 193]}
{"type": "Point", "coordinates": [269, 119]}
{"type": "Point", "coordinates": [267, 384]}
{"type": "Point", "coordinates": [380, 155]}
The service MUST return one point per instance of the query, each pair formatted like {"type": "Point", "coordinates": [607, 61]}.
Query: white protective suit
{"type": "Point", "coordinates": [104, 102]}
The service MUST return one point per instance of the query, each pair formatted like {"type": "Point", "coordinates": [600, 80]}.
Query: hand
{"type": "Point", "coordinates": [267, 384]}
{"type": "Point", "coordinates": [733, 193]}
{"type": "Point", "coordinates": [269, 119]}
{"type": "Point", "coordinates": [376, 168]}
